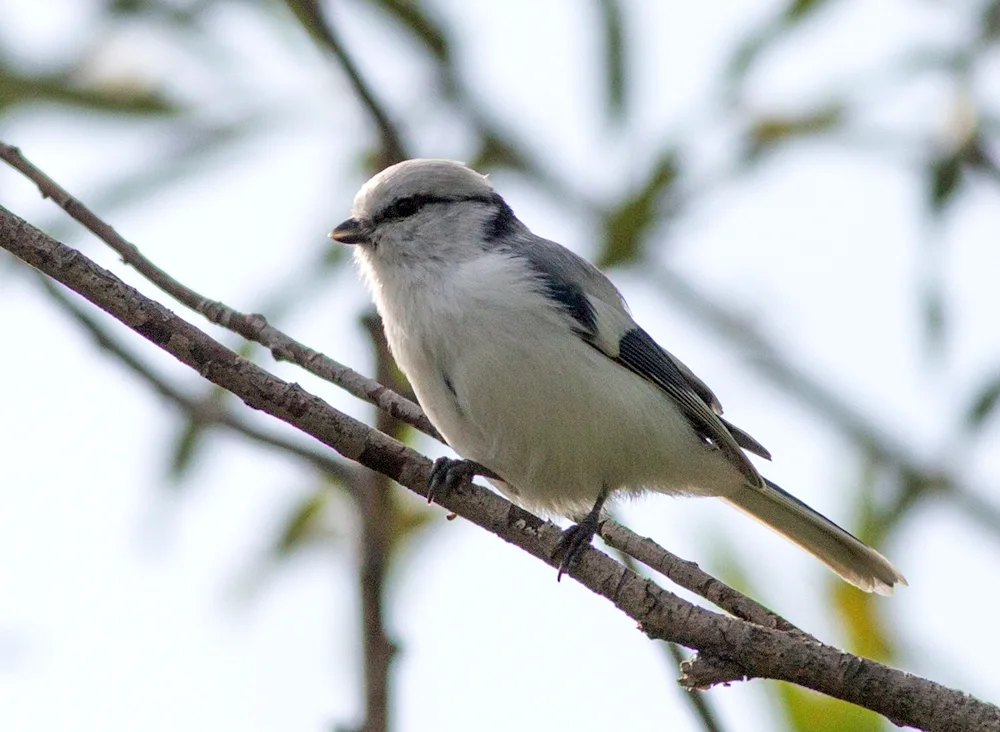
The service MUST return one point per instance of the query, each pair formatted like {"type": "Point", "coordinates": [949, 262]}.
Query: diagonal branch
{"type": "Point", "coordinates": [691, 577]}
{"type": "Point", "coordinates": [745, 650]}
{"type": "Point", "coordinates": [253, 327]}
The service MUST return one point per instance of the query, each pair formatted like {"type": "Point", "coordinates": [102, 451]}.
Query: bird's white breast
{"type": "Point", "coordinates": [502, 376]}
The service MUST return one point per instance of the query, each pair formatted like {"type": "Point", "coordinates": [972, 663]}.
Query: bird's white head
{"type": "Point", "coordinates": [425, 213]}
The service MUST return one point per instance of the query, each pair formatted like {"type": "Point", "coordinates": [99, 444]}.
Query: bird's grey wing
{"type": "Point", "coordinates": [639, 353]}
{"type": "Point", "coordinates": [708, 396]}
{"type": "Point", "coordinates": [600, 317]}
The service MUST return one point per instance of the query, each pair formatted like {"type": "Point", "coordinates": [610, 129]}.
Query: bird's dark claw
{"type": "Point", "coordinates": [573, 541]}
{"type": "Point", "coordinates": [447, 474]}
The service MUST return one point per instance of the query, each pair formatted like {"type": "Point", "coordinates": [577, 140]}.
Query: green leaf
{"type": "Point", "coordinates": [626, 225]}
{"type": "Point", "coordinates": [799, 10]}
{"type": "Point", "coordinates": [810, 711]}
{"type": "Point", "coordinates": [614, 56]}
{"type": "Point", "coordinates": [768, 132]}
{"type": "Point", "coordinates": [186, 448]}
{"type": "Point", "coordinates": [944, 176]}
{"type": "Point", "coordinates": [859, 612]}
{"type": "Point", "coordinates": [984, 405]}
{"type": "Point", "coordinates": [303, 525]}
{"type": "Point", "coordinates": [859, 615]}
{"type": "Point", "coordinates": [17, 89]}
{"type": "Point", "coordinates": [409, 516]}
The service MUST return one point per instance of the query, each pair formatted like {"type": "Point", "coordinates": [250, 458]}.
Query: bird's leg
{"type": "Point", "coordinates": [576, 537]}
{"type": "Point", "coordinates": [447, 474]}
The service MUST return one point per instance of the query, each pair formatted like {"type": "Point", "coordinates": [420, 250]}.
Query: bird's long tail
{"type": "Point", "coordinates": [846, 555]}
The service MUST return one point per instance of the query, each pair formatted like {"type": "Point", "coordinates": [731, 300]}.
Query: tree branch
{"type": "Point", "coordinates": [691, 577]}
{"type": "Point", "coordinates": [751, 650]}
{"type": "Point", "coordinates": [253, 327]}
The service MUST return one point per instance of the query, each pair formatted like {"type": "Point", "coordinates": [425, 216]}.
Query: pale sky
{"type": "Point", "coordinates": [125, 601]}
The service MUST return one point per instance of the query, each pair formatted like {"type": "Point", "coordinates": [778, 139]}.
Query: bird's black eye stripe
{"type": "Point", "coordinates": [403, 208]}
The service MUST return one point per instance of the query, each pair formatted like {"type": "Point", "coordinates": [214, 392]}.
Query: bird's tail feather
{"type": "Point", "coordinates": [846, 555]}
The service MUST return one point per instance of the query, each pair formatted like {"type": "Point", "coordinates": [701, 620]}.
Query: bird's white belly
{"type": "Point", "coordinates": [560, 424]}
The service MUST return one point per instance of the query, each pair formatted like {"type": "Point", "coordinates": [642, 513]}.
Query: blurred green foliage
{"type": "Point", "coordinates": [628, 221]}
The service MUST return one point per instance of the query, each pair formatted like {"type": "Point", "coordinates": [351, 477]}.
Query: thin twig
{"type": "Point", "coordinates": [691, 577]}
{"type": "Point", "coordinates": [253, 327]}
{"type": "Point", "coordinates": [748, 650]}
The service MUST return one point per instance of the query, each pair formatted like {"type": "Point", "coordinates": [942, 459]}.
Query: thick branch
{"type": "Point", "coordinates": [754, 650]}
{"type": "Point", "coordinates": [256, 328]}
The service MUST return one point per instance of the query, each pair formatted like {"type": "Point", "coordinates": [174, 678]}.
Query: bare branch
{"type": "Point", "coordinates": [253, 327]}
{"type": "Point", "coordinates": [752, 650]}
{"type": "Point", "coordinates": [691, 577]}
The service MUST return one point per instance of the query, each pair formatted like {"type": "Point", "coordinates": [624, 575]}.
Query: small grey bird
{"type": "Point", "coordinates": [526, 359]}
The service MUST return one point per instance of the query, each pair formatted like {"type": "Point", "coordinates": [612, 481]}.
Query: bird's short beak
{"type": "Point", "coordinates": [351, 231]}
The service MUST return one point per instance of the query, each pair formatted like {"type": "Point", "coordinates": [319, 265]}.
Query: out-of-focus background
{"type": "Point", "coordinates": [800, 199]}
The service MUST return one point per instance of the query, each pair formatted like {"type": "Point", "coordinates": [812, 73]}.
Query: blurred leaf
{"type": "Point", "coordinates": [496, 152]}
{"type": "Point", "coordinates": [933, 306]}
{"type": "Point", "coordinates": [409, 515]}
{"type": "Point", "coordinates": [626, 226]}
{"type": "Point", "coordinates": [767, 133]}
{"type": "Point", "coordinates": [17, 89]}
{"type": "Point", "coordinates": [179, 14]}
{"type": "Point", "coordinates": [984, 405]}
{"type": "Point", "coordinates": [614, 56]}
{"type": "Point", "coordinates": [191, 438]}
{"type": "Point", "coordinates": [303, 525]}
{"type": "Point", "coordinates": [798, 10]}
{"type": "Point", "coordinates": [413, 18]}
{"type": "Point", "coordinates": [858, 611]}
{"type": "Point", "coordinates": [810, 711]}
{"type": "Point", "coordinates": [859, 615]}
{"type": "Point", "coordinates": [186, 448]}
{"type": "Point", "coordinates": [989, 23]}
{"type": "Point", "coordinates": [944, 175]}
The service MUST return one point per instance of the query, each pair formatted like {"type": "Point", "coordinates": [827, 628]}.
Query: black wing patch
{"type": "Point", "coordinates": [567, 295]}
{"type": "Point", "coordinates": [639, 353]}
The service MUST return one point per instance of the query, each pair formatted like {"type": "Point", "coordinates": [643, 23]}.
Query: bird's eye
{"type": "Point", "coordinates": [404, 207]}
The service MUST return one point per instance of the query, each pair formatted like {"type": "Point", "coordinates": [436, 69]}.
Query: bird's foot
{"type": "Point", "coordinates": [448, 474]}
{"type": "Point", "coordinates": [574, 540]}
